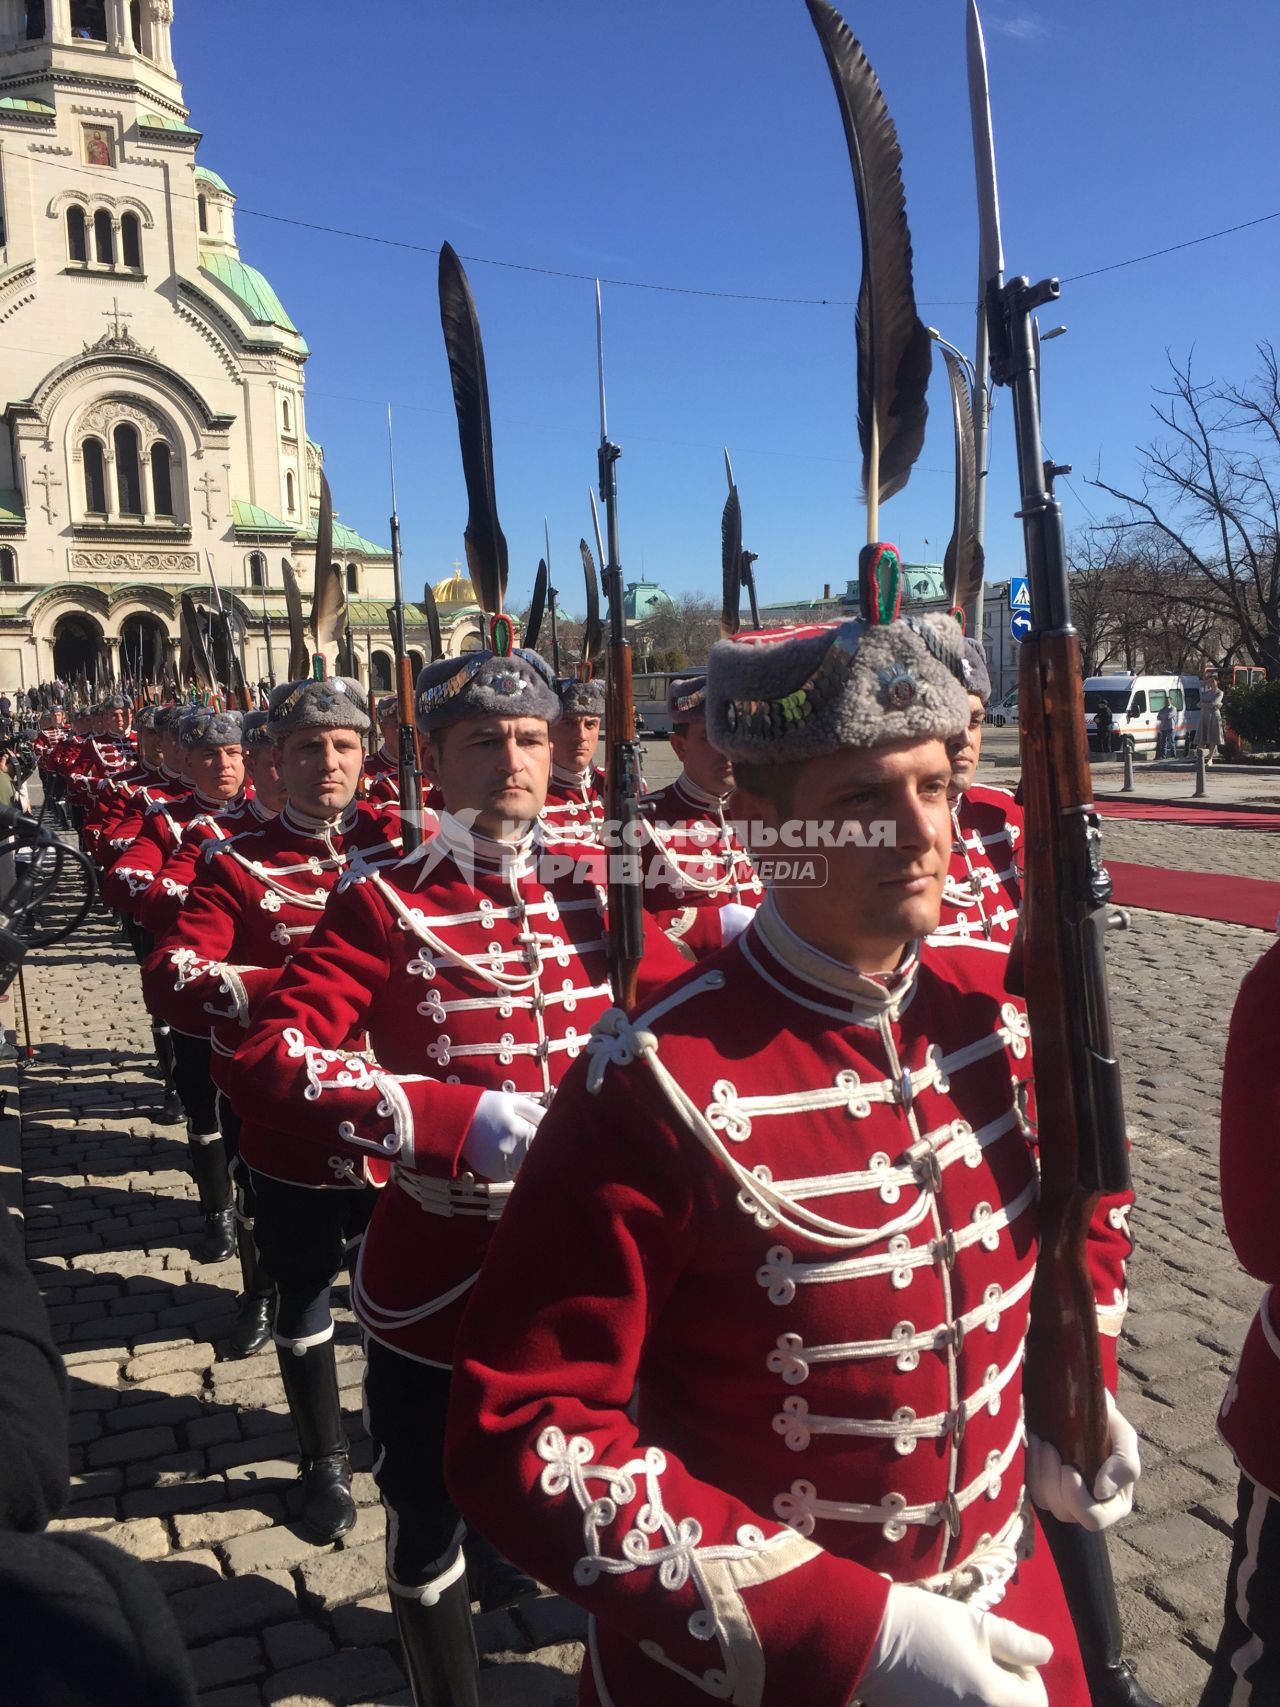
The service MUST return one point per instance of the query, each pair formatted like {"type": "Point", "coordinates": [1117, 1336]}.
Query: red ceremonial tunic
{"type": "Point", "coordinates": [983, 890]}
{"type": "Point", "coordinates": [471, 969]}
{"type": "Point", "coordinates": [794, 1212]}
{"type": "Point", "coordinates": [115, 801]}
{"type": "Point", "coordinates": [125, 829]}
{"type": "Point", "coordinates": [694, 864]}
{"type": "Point", "coordinates": [253, 901]}
{"type": "Point", "coordinates": [1251, 1210]}
{"type": "Point", "coordinates": [574, 811]}
{"type": "Point", "coordinates": [160, 905]}
{"type": "Point", "coordinates": [129, 880]}
{"type": "Point", "coordinates": [100, 759]}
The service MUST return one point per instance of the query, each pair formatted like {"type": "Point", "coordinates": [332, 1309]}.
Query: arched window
{"type": "Point", "coordinates": [135, 23]}
{"type": "Point", "coordinates": [88, 20]}
{"type": "Point", "coordinates": [128, 470]}
{"type": "Point", "coordinates": [257, 570]}
{"type": "Point", "coordinates": [95, 477]}
{"type": "Point", "coordinates": [287, 416]}
{"type": "Point", "coordinates": [353, 577]}
{"type": "Point", "coordinates": [162, 478]}
{"type": "Point", "coordinates": [77, 236]}
{"type": "Point", "coordinates": [104, 238]}
{"type": "Point", "coordinates": [8, 567]}
{"type": "Point", "coordinates": [202, 208]}
{"type": "Point", "coordinates": [290, 492]}
{"type": "Point", "coordinates": [131, 241]}
{"type": "Point", "coordinates": [35, 20]}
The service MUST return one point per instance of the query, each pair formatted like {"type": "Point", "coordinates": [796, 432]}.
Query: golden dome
{"type": "Point", "coordinates": [456, 590]}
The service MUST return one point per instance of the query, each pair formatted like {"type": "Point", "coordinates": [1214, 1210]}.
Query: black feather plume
{"type": "Point", "coordinates": [433, 622]}
{"type": "Point", "coordinates": [192, 630]}
{"type": "Point", "coordinates": [486, 547]}
{"type": "Point", "coordinates": [731, 563]}
{"type": "Point", "coordinates": [539, 603]}
{"type": "Point", "coordinates": [299, 659]}
{"type": "Point", "coordinates": [962, 564]}
{"type": "Point", "coordinates": [329, 599]}
{"type": "Point", "coordinates": [592, 635]}
{"type": "Point", "coordinates": [894, 355]}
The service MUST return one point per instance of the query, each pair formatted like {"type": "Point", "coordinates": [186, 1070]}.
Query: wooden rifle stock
{"type": "Point", "coordinates": [1079, 1117]}
{"type": "Point", "coordinates": [410, 762]}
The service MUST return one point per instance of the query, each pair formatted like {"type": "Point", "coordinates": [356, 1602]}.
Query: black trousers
{"type": "Point", "coordinates": [191, 1079]}
{"type": "Point", "coordinates": [302, 1237]}
{"type": "Point", "coordinates": [405, 1404]}
{"type": "Point", "coordinates": [1246, 1666]}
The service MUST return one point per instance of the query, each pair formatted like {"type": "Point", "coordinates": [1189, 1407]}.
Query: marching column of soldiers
{"type": "Point", "coordinates": [698, 1255]}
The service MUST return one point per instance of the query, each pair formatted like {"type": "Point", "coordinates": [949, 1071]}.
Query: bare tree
{"type": "Point", "coordinates": [681, 632]}
{"type": "Point", "coordinates": [1211, 489]}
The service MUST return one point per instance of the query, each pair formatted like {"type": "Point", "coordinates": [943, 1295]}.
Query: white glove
{"type": "Point", "coordinates": [501, 1131]}
{"type": "Point", "coordinates": [934, 1652]}
{"type": "Point", "coordinates": [1059, 1488]}
{"type": "Point", "coordinates": [734, 919]}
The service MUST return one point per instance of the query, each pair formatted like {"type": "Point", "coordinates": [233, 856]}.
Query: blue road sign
{"type": "Point", "coordinates": [1020, 623]}
{"type": "Point", "coordinates": [1019, 593]}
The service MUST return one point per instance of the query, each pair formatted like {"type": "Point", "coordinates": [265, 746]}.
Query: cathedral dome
{"type": "Point", "coordinates": [456, 590]}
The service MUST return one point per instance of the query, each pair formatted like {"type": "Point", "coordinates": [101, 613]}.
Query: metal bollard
{"type": "Point", "coordinates": [1200, 778]}
{"type": "Point", "coordinates": [1127, 787]}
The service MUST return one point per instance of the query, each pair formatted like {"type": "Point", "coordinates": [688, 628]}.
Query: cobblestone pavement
{"type": "Point", "coordinates": [184, 1460]}
{"type": "Point", "coordinates": [1189, 847]}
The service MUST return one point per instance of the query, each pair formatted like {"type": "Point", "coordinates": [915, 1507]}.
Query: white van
{"type": "Point", "coordinates": [1136, 702]}
{"type": "Point", "coordinates": [1004, 710]}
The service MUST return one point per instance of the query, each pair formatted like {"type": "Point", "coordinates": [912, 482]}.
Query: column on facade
{"type": "Point", "coordinates": [112, 493]}
{"type": "Point", "coordinates": [59, 20]}
{"type": "Point", "coordinates": [118, 32]}
{"type": "Point", "coordinates": [145, 482]}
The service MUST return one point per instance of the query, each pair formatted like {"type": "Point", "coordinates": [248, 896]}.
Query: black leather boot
{"type": "Point", "coordinates": [1085, 1569]}
{"type": "Point", "coordinates": [311, 1387]}
{"type": "Point", "coordinates": [209, 1169]}
{"type": "Point", "coordinates": [171, 1104]}
{"type": "Point", "coordinates": [492, 1580]}
{"type": "Point", "coordinates": [438, 1642]}
{"type": "Point", "coordinates": [252, 1327]}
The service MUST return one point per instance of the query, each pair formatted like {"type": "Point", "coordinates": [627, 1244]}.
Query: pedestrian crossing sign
{"type": "Point", "coordinates": [1019, 593]}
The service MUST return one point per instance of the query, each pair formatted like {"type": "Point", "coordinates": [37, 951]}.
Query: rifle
{"type": "Point", "coordinates": [1067, 891]}
{"type": "Point", "coordinates": [622, 773]}
{"type": "Point", "coordinates": [409, 761]}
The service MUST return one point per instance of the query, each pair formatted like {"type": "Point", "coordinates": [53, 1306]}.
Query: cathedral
{"type": "Point", "coordinates": [155, 419]}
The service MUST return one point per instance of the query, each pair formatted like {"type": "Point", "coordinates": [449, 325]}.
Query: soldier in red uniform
{"type": "Point", "coordinates": [574, 810]}
{"type": "Point", "coordinates": [381, 770]}
{"type": "Point", "coordinates": [742, 1373]}
{"type": "Point", "coordinates": [213, 765]}
{"type": "Point", "coordinates": [476, 967]}
{"type": "Point", "coordinates": [251, 905]}
{"type": "Point", "coordinates": [1246, 1666]}
{"type": "Point", "coordinates": [983, 889]}
{"type": "Point", "coordinates": [698, 876]}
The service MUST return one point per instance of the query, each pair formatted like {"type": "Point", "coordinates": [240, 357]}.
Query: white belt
{"type": "Point", "coordinates": [450, 1197]}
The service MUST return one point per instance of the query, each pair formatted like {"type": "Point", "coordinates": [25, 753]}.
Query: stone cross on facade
{"type": "Point", "coordinates": [48, 479]}
{"type": "Point", "coordinates": [208, 485]}
{"type": "Point", "coordinates": [119, 332]}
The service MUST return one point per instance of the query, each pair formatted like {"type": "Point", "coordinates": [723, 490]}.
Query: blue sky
{"type": "Point", "coordinates": [697, 143]}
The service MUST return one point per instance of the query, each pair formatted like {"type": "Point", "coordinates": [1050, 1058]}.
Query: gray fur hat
{"type": "Point", "coordinates": [202, 726]}
{"type": "Point", "coordinates": [482, 684]}
{"type": "Point", "coordinates": [687, 698]}
{"type": "Point", "coordinates": [146, 717]}
{"type": "Point", "coordinates": [335, 703]}
{"type": "Point", "coordinates": [387, 706]}
{"type": "Point", "coordinates": [579, 698]}
{"type": "Point", "coordinates": [167, 718]}
{"type": "Point", "coordinates": [116, 702]}
{"type": "Point", "coordinates": [974, 672]}
{"type": "Point", "coordinates": [254, 731]}
{"type": "Point", "coordinates": [852, 684]}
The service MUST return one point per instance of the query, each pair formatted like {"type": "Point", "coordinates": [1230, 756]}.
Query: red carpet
{"type": "Point", "coordinates": [1196, 894]}
{"type": "Point", "coordinates": [1209, 817]}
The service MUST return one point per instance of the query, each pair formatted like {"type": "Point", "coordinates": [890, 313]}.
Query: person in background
{"type": "Point", "coordinates": [1104, 722]}
{"type": "Point", "coordinates": [1165, 748]}
{"type": "Point", "coordinates": [1209, 738]}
